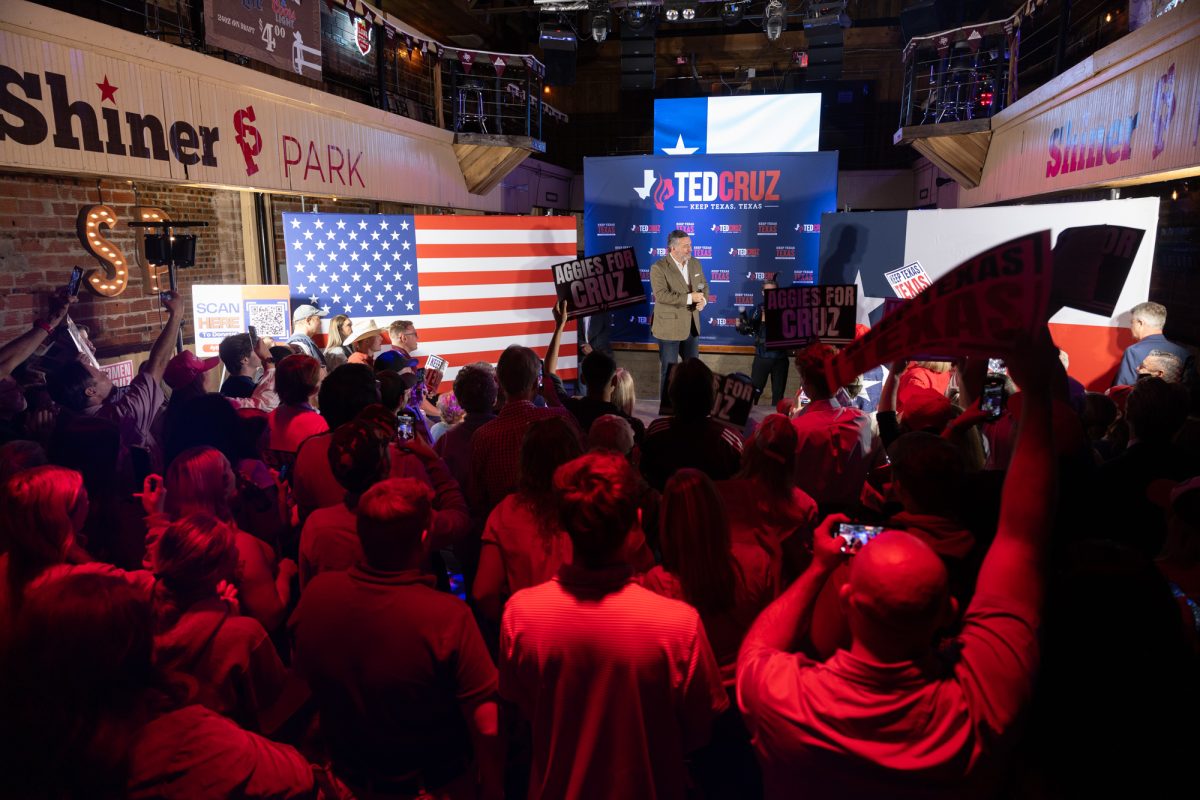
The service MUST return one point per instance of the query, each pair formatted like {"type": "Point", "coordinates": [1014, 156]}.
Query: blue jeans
{"type": "Point", "coordinates": [669, 352]}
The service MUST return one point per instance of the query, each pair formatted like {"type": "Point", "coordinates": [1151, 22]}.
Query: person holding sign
{"type": "Point", "coordinates": [680, 294]}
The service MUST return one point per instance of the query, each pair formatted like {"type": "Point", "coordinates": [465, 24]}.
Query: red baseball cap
{"type": "Point", "coordinates": [183, 368]}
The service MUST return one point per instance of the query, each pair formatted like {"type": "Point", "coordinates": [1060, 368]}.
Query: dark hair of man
{"type": "Point", "coordinates": [297, 378]}
{"type": "Point", "coordinates": [1156, 409]}
{"type": "Point", "coordinates": [597, 505]}
{"type": "Point", "coordinates": [18, 456]}
{"type": "Point", "coordinates": [392, 515]}
{"type": "Point", "coordinates": [691, 390]}
{"type": "Point", "coordinates": [233, 349]}
{"type": "Point", "coordinates": [769, 458]}
{"type": "Point", "coordinates": [78, 693]}
{"type": "Point", "coordinates": [518, 370]}
{"type": "Point", "coordinates": [696, 548]}
{"type": "Point", "coordinates": [810, 365]}
{"type": "Point", "coordinates": [358, 456]}
{"type": "Point", "coordinates": [391, 390]}
{"type": "Point", "coordinates": [675, 235]}
{"type": "Point", "coordinates": [548, 444]}
{"type": "Point", "coordinates": [345, 392]}
{"type": "Point", "coordinates": [205, 421]}
{"type": "Point", "coordinates": [598, 369]}
{"type": "Point", "coordinates": [68, 385]}
{"type": "Point", "coordinates": [931, 470]}
{"type": "Point", "coordinates": [192, 557]}
{"type": "Point", "coordinates": [475, 388]}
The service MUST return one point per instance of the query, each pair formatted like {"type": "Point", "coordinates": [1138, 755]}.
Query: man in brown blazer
{"type": "Point", "coordinates": [680, 294]}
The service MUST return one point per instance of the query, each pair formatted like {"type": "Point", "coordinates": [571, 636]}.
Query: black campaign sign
{"type": "Point", "coordinates": [733, 397]}
{"type": "Point", "coordinates": [796, 316]}
{"type": "Point", "coordinates": [599, 283]}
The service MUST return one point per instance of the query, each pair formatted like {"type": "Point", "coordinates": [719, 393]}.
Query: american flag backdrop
{"type": "Point", "coordinates": [472, 285]}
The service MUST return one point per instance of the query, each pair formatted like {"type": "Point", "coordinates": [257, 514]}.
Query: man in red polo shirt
{"type": "Point", "coordinates": [888, 718]}
{"type": "Point", "coordinates": [617, 682]}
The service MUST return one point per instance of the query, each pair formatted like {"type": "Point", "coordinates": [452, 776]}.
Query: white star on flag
{"type": "Point", "coordinates": [679, 149]}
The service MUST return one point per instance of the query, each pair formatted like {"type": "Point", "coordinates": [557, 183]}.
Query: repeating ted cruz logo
{"type": "Point", "coordinates": [756, 276]}
{"type": "Point", "coordinates": [645, 228]}
{"type": "Point", "coordinates": [640, 320]}
{"type": "Point", "coordinates": [743, 252]}
{"type": "Point", "coordinates": [741, 300]}
{"type": "Point", "coordinates": [808, 227]}
{"type": "Point", "coordinates": [606, 229]}
{"type": "Point", "coordinates": [723, 322]}
{"type": "Point", "coordinates": [660, 189]}
{"type": "Point", "coordinates": [248, 137]}
{"type": "Point", "coordinates": [645, 273]}
{"type": "Point", "coordinates": [719, 276]}
{"type": "Point", "coordinates": [702, 251]}
{"type": "Point", "coordinates": [657, 251]}
{"type": "Point", "coordinates": [787, 252]}
{"type": "Point", "coordinates": [687, 227]}
{"type": "Point", "coordinates": [726, 228]}
{"type": "Point", "coordinates": [803, 276]}
{"type": "Point", "coordinates": [768, 229]}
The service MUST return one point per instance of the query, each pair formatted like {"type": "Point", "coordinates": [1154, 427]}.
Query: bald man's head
{"type": "Point", "coordinates": [897, 595]}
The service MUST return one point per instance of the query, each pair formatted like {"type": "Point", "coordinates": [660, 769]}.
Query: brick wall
{"type": "Point", "coordinates": [38, 247]}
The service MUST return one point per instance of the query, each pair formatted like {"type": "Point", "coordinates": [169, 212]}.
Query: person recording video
{"type": "Point", "coordinates": [766, 362]}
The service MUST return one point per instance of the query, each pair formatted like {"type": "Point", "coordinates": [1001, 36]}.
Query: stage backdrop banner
{"type": "Point", "coordinates": [228, 309]}
{"type": "Point", "coordinates": [861, 248]}
{"type": "Point", "coordinates": [748, 216]}
{"type": "Point", "coordinates": [472, 285]}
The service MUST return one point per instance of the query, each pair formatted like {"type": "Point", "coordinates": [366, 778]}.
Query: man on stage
{"type": "Point", "coordinates": [680, 294]}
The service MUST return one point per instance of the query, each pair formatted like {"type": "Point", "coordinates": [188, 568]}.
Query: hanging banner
{"type": "Point", "coordinates": [982, 307]}
{"type": "Point", "coordinates": [599, 283]}
{"type": "Point", "coordinates": [498, 63]}
{"type": "Point", "coordinates": [1091, 265]}
{"type": "Point", "coordinates": [285, 35]}
{"type": "Point", "coordinates": [226, 310]}
{"type": "Point", "coordinates": [797, 316]}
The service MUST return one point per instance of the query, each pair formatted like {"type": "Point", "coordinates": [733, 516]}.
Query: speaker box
{"type": "Point", "coordinates": [637, 64]}
{"type": "Point", "coordinates": [637, 81]}
{"type": "Point", "coordinates": [824, 37]}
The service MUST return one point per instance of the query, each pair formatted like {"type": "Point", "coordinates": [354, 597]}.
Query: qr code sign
{"type": "Point", "coordinates": [268, 319]}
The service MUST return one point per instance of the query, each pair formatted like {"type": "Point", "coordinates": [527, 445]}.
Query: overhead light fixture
{"type": "Point", "coordinates": [676, 10]}
{"type": "Point", "coordinates": [601, 23]}
{"type": "Point", "coordinates": [731, 13]}
{"type": "Point", "coordinates": [637, 17]}
{"type": "Point", "coordinates": [774, 19]}
{"type": "Point", "coordinates": [672, 15]}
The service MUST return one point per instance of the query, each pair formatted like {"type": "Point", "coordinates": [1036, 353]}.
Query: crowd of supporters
{"type": "Point", "coordinates": [337, 577]}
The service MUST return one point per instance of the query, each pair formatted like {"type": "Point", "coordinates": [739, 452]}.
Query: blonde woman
{"type": "Point", "coordinates": [336, 351]}
{"type": "Point", "coordinates": [624, 395]}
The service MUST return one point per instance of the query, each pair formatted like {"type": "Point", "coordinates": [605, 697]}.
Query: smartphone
{"type": "Point", "coordinates": [404, 428]}
{"type": "Point", "coordinates": [74, 281]}
{"type": "Point", "coordinates": [853, 532]}
{"type": "Point", "coordinates": [992, 399]}
{"type": "Point", "coordinates": [996, 367]}
{"type": "Point", "coordinates": [253, 338]}
{"type": "Point", "coordinates": [163, 297]}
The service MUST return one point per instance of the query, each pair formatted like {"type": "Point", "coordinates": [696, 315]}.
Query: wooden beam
{"type": "Point", "coordinates": [485, 160]}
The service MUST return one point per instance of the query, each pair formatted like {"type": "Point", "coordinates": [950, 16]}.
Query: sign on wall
{"type": "Point", "coordinates": [226, 310]}
{"type": "Point", "coordinates": [1140, 116]}
{"type": "Point", "coordinates": [748, 216]}
{"type": "Point", "coordinates": [78, 102]}
{"type": "Point", "coordinates": [283, 33]}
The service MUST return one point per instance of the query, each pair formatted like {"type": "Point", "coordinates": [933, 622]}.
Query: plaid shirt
{"type": "Point", "coordinates": [496, 452]}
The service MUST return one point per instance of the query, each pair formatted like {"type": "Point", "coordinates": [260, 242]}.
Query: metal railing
{"type": "Point", "coordinates": [401, 74]}
{"type": "Point", "coordinates": [958, 75]}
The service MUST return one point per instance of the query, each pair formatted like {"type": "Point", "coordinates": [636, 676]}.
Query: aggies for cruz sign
{"type": "Point", "coordinates": [599, 283]}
